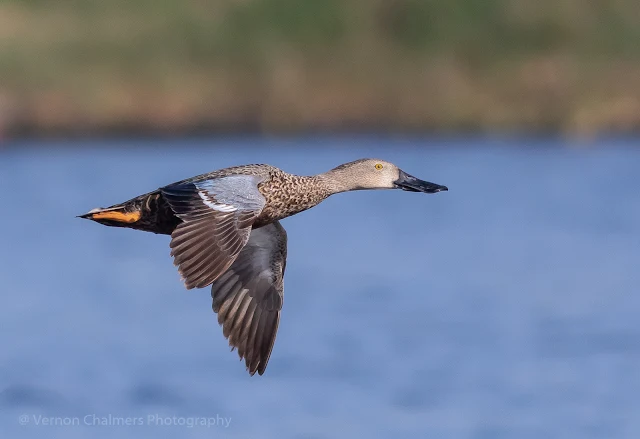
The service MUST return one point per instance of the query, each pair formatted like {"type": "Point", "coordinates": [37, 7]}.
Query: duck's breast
{"type": "Point", "coordinates": [287, 194]}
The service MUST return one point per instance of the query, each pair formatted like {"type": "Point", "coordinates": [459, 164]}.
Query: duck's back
{"type": "Point", "coordinates": [285, 195]}
{"type": "Point", "coordinates": [151, 212]}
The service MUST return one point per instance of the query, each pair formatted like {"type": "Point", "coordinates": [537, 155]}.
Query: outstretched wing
{"type": "Point", "coordinates": [217, 216]}
{"type": "Point", "coordinates": [248, 297]}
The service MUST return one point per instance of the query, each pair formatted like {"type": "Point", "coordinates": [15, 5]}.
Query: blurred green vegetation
{"type": "Point", "coordinates": [91, 66]}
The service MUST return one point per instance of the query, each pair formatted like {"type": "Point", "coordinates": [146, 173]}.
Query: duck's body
{"type": "Point", "coordinates": [226, 233]}
{"type": "Point", "coordinates": [284, 194]}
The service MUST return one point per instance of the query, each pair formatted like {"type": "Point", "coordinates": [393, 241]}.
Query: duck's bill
{"type": "Point", "coordinates": [410, 183]}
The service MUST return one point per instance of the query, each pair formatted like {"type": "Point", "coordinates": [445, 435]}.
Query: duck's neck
{"type": "Point", "coordinates": [334, 182]}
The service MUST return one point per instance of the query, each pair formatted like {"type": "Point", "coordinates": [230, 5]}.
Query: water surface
{"type": "Point", "coordinates": [507, 307]}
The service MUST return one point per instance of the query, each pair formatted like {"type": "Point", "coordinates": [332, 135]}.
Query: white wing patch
{"type": "Point", "coordinates": [220, 207]}
{"type": "Point", "coordinates": [231, 193]}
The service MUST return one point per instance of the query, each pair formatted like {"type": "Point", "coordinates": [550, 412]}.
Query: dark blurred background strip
{"type": "Point", "coordinates": [94, 67]}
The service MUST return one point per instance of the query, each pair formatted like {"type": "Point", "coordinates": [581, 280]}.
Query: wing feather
{"type": "Point", "coordinates": [217, 216]}
{"type": "Point", "coordinates": [248, 297]}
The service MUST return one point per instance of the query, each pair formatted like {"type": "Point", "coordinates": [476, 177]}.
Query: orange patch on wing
{"type": "Point", "coordinates": [123, 217]}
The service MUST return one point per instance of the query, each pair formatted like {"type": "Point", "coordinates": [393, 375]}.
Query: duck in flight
{"type": "Point", "coordinates": [225, 232]}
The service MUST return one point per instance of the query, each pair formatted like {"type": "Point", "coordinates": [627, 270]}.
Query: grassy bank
{"type": "Point", "coordinates": [175, 66]}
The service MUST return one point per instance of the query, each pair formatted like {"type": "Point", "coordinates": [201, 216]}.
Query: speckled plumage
{"type": "Point", "coordinates": [225, 232]}
{"type": "Point", "coordinates": [288, 194]}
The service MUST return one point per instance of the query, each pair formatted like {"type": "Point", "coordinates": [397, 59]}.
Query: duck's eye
{"type": "Point", "coordinates": [378, 166]}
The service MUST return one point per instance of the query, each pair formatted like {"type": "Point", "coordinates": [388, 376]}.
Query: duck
{"type": "Point", "coordinates": [226, 233]}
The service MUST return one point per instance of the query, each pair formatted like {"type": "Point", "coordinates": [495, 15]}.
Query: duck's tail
{"type": "Point", "coordinates": [119, 215]}
{"type": "Point", "coordinates": [148, 212]}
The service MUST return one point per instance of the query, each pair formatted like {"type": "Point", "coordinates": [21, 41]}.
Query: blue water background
{"type": "Point", "coordinates": [505, 308]}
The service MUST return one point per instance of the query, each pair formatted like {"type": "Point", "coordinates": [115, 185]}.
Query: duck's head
{"type": "Point", "coordinates": [379, 174]}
